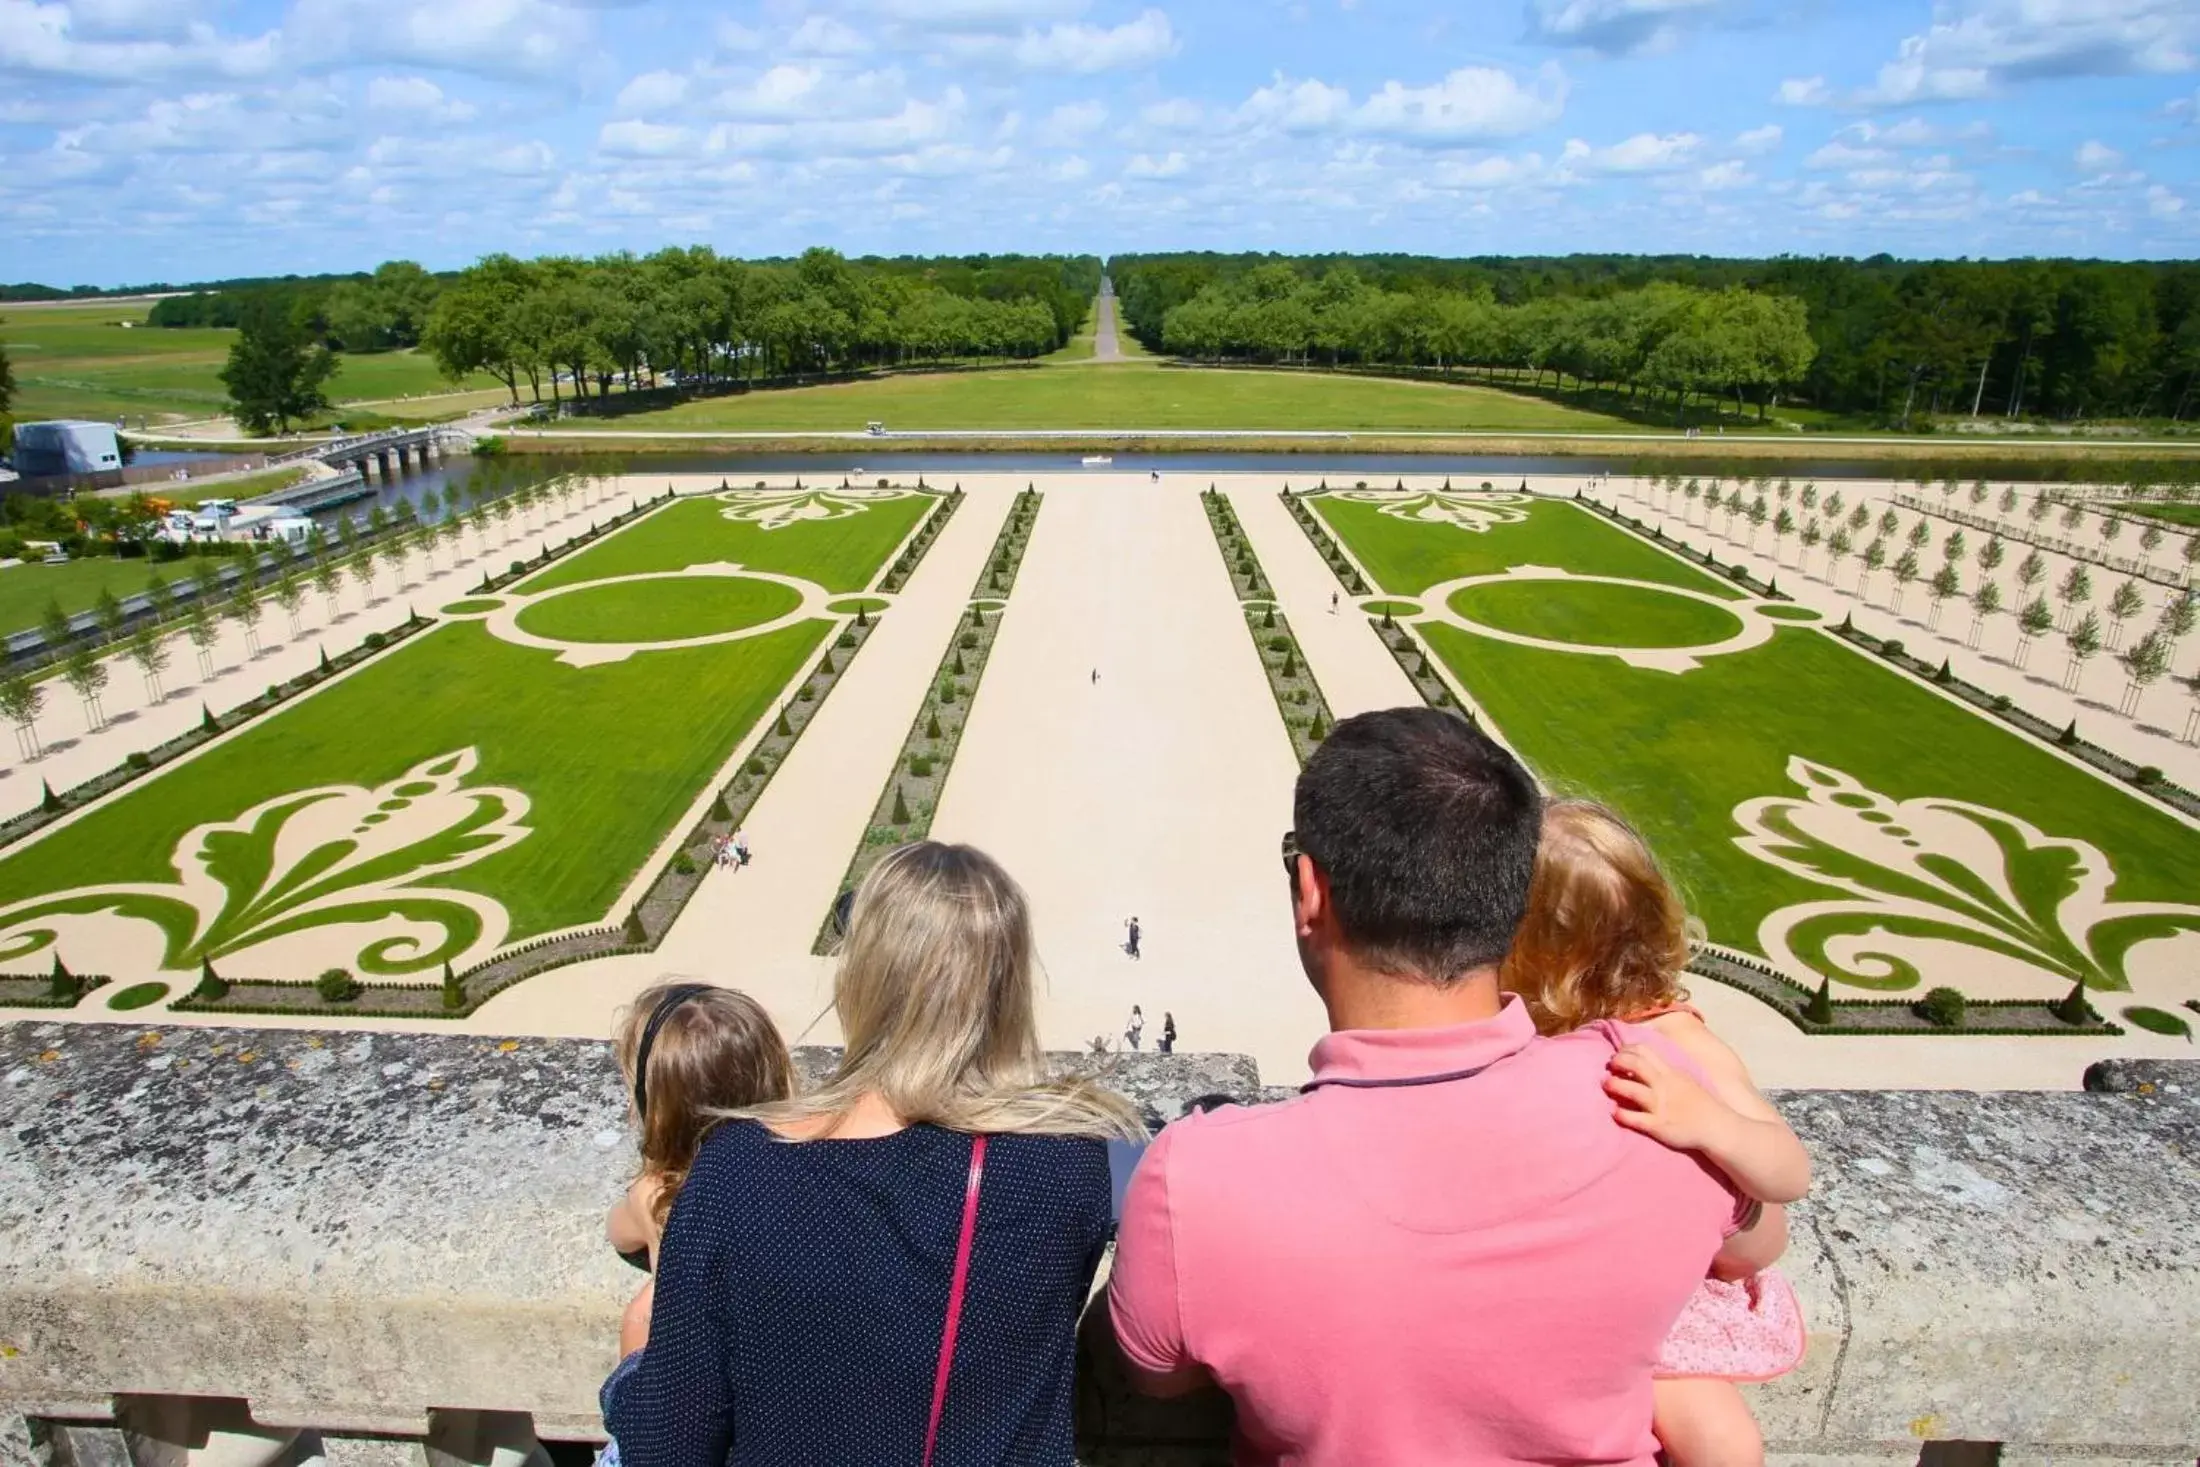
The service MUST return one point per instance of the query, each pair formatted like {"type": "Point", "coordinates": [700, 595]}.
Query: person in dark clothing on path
{"type": "Point", "coordinates": [1131, 946]}
{"type": "Point", "coordinates": [1168, 1032]}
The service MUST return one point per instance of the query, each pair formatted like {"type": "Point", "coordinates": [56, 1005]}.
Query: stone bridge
{"type": "Point", "coordinates": [254, 1248]}
{"type": "Point", "coordinates": [373, 455]}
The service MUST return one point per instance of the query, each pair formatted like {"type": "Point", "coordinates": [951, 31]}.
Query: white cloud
{"type": "Point", "coordinates": [632, 138]}
{"type": "Point", "coordinates": [1072, 121]}
{"type": "Point", "coordinates": [1143, 165]}
{"type": "Point", "coordinates": [1839, 154]}
{"type": "Point", "coordinates": [2163, 204]}
{"type": "Point", "coordinates": [786, 91]}
{"type": "Point", "coordinates": [1760, 139]}
{"type": "Point", "coordinates": [1177, 113]}
{"type": "Point", "coordinates": [915, 124]}
{"type": "Point", "coordinates": [416, 97]}
{"type": "Point", "coordinates": [1468, 105]}
{"type": "Point", "coordinates": [2095, 156]}
{"type": "Point", "coordinates": [1645, 152]}
{"type": "Point", "coordinates": [1472, 102]}
{"type": "Point", "coordinates": [1731, 174]}
{"type": "Point", "coordinates": [1495, 171]}
{"type": "Point", "coordinates": [532, 37]}
{"type": "Point", "coordinates": [1617, 27]}
{"type": "Point", "coordinates": [1804, 91]}
{"type": "Point", "coordinates": [1072, 47]}
{"type": "Point", "coordinates": [50, 40]}
{"type": "Point", "coordinates": [822, 35]}
{"type": "Point", "coordinates": [973, 15]}
{"type": "Point", "coordinates": [1976, 46]}
{"type": "Point", "coordinates": [652, 91]}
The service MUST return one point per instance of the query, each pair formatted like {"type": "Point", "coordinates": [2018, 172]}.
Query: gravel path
{"type": "Point", "coordinates": [1106, 347]}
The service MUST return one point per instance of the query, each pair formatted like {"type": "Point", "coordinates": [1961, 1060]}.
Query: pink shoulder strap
{"type": "Point", "coordinates": [955, 1291]}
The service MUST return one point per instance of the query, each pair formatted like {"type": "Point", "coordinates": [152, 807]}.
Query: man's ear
{"type": "Point", "coordinates": [1309, 896]}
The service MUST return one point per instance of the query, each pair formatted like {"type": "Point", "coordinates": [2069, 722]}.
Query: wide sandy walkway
{"type": "Point", "coordinates": [1356, 672]}
{"type": "Point", "coordinates": [1161, 791]}
{"type": "Point", "coordinates": [753, 928]}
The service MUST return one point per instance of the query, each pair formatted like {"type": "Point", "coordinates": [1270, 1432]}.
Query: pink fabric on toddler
{"type": "Point", "coordinates": [1750, 1329]}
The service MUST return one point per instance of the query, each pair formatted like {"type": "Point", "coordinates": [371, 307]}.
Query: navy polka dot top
{"type": "Point", "coordinates": [802, 1288]}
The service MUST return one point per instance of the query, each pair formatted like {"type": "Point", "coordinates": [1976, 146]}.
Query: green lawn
{"type": "Point", "coordinates": [1594, 614]}
{"type": "Point", "coordinates": [1409, 556]}
{"type": "Point", "coordinates": [1678, 753]}
{"type": "Point", "coordinates": [1121, 396]}
{"type": "Point", "coordinates": [25, 589]}
{"type": "Point", "coordinates": [659, 611]}
{"type": "Point", "coordinates": [100, 360]}
{"type": "Point", "coordinates": [2175, 514]}
{"type": "Point", "coordinates": [841, 555]}
{"type": "Point", "coordinates": [609, 756]}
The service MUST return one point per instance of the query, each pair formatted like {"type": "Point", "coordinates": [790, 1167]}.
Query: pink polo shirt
{"type": "Point", "coordinates": [1412, 1265]}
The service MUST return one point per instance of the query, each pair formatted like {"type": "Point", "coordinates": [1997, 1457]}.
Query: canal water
{"type": "Point", "coordinates": [1466, 470]}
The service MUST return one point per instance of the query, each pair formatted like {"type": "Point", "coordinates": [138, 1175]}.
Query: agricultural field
{"type": "Point", "coordinates": [1820, 809]}
{"type": "Point", "coordinates": [1128, 395]}
{"type": "Point", "coordinates": [504, 774]}
{"type": "Point", "coordinates": [100, 360]}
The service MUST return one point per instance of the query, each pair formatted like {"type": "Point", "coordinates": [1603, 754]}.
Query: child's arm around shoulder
{"type": "Point", "coordinates": [1725, 1120]}
{"type": "Point", "coordinates": [632, 1227]}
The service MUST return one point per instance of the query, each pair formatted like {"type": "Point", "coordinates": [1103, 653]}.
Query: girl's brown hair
{"type": "Point", "coordinates": [715, 1051]}
{"type": "Point", "coordinates": [1605, 936]}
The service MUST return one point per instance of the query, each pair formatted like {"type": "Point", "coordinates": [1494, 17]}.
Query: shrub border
{"type": "Point", "coordinates": [881, 834]}
{"type": "Point", "coordinates": [1256, 598]}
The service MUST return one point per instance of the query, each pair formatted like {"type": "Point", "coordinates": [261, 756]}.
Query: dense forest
{"type": "Point", "coordinates": [684, 311]}
{"type": "Point", "coordinates": [1893, 341]}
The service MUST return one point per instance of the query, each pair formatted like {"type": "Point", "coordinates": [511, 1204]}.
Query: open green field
{"type": "Point", "coordinates": [658, 611]}
{"type": "Point", "coordinates": [100, 360]}
{"type": "Point", "coordinates": [1594, 614]}
{"type": "Point", "coordinates": [603, 759]}
{"type": "Point", "coordinates": [1678, 753]}
{"type": "Point", "coordinates": [1112, 395]}
{"type": "Point", "coordinates": [25, 590]}
{"type": "Point", "coordinates": [2173, 514]}
{"type": "Point", "coordinates": [1407, 556]}
{"type": "Point", "coordinates": [839, 554]}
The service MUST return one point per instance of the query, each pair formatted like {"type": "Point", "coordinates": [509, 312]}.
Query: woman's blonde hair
{"type": "Point", "coordinates": [936, 1005]}
{"type": "Point", "coordinates": [1605, 936]}
{"type": "Point", "coordinates": [715, 1049]}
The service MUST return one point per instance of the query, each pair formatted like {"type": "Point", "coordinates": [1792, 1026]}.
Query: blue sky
{"type": "Point", "coordinates": [183, 139]}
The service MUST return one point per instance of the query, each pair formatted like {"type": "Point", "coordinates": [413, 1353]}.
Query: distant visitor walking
{"type": "Point", "coordinates": [1168, 1033]}
{"type": "Point", "coordinates": [1131, 946]}
{"type": "Point", "coordinates": [1332, 603]}
{"type": "Point", "coordinates": [1134, 1027]}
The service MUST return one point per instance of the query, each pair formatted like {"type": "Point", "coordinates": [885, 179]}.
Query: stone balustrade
{"type": "Point", "coordinates": [239, 1248]}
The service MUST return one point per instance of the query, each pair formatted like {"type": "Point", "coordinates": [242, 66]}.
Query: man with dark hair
{"type": "Point", "coordinates": [1445, 1250]}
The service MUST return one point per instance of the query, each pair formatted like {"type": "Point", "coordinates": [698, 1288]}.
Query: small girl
{"type": "Point", "coordinates": [688, 1052]}
{"type": "Point", "coordinates": [1605, 939]}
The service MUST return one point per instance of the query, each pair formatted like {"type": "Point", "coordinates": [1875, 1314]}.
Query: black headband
{"type": "Point", "coordinates": [673, 998]}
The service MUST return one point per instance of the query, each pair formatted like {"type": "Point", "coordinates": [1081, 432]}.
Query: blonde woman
{"type": "Point", "coordinates": [890, 1267]}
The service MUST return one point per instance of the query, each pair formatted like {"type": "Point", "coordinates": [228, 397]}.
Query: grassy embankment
{"type": "Point", "coordinates": [100, 360]}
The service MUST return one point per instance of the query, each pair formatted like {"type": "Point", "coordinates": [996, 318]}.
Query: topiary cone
{"type": "Point", "coordinates": [211, 985]}
{"type": "Point", "coordinates": [51, 803]}
{"type": "Point", "coordinates": [958, 669]}
{"type": "Point", "coordinates": [781, 727]}
{"type": "Point", "coordinates": [207, 721]}
{"type": "Point", "coordinates": [932, 725]}
{"type": "Point", "coordinates": [2069, 736]}
{"type": "Point", "coordinates": [2072, 1008]}
{"type": "Point", "coordinates": [901, 807]}
{"type": "Point", "coordinates": [1819, 1010]}
{"type": "Point", "coordinates": [1319, 728]}
{"type": "Point", "coordinates": [454, 992]}
{"type": "Point", "coordinates": [718, 810]}
{"type": "Point", "coordinates": [1290, 662]}
{"type": "Point", "coordinates": [636, 933]}
{"type": "Point", "coordinates": [1268, 617]}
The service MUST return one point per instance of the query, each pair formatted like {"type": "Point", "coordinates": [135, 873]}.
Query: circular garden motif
{"type": "Point", "coordinates": [1595, 613]}
{"type": "Point", "coordinates": [1788, 613]}
{"type": "Point", "coordinates": [850, 605]}
{"type": "Point", "coordinates": [474, 606]}
{"type": "Point", "coordinates": [671, 609]}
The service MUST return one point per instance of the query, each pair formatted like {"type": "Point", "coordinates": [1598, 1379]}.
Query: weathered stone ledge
{"type": "Point", "coordinates": [382, 1237]}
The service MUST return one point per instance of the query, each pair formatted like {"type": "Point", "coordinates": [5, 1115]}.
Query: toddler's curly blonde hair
{"type": "Point", "coordinates": [1605, 936]}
